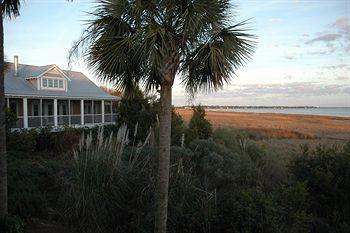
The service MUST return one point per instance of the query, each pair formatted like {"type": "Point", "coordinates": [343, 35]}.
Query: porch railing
{"type": "Point", "coordinates": [42, 121]}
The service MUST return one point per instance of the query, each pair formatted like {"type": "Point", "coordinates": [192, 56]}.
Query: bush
{"type": "Point", "coordinates": [22, 140]}
{"type": "Point", "coordinates": [178, 129]}
{"type": "Point", "coordinates": [31, 184]}
{"type": "Point", "coordinates": [326, 172]}
{"type": "Point", "coordinates": [11, 118]}
{"type": "Point", "coordinates": [137, 110]}
{"type": "Point", "coordinates": [199, 127]}
{"type": "Point", "coordinates": [106, 192]}
{"type": "Point", "coordinates": [11, 224]}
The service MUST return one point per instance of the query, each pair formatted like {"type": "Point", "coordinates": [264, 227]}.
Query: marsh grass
{"type": "Point", "coordinates": [99, 181]}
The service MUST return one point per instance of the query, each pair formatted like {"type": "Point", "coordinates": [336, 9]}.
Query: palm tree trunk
{"type": "Point", "coordinates": [3, 157]}
{"type": "Point", "coordinates": [161, 197]}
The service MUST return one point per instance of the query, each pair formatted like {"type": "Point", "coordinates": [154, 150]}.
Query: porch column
{"type": "Point", "coordinates": [41, 112]}
{"type": "Point", "coordinates": [111, 111]}
{"type": "Point", "coordinates": [103, 110]}
{"type": "Point", "coordinates": [8, 103]}
{"type": "Point", "coordinates": [25, 113]}
{"type": "Point", "coordinates": [82, 111]}
{"type": "Point", "coordinates": [93, 111]}
{"type": "Point", "coordinates": [55, 119]}
{"type": "Point", "coordinates": [69, 116]}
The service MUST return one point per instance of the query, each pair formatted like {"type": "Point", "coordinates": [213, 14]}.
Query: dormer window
{"type": "Point", "coordinates": [53, 83]}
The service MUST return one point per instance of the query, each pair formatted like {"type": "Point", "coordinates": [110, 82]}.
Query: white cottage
{"type": "Point", "coordinates": [48, 96]}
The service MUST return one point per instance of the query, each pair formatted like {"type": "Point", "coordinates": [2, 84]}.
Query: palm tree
{"type": "Point", "coordinates": [131, 42]}
{"type": "Point", "coordinates": [8, 9]}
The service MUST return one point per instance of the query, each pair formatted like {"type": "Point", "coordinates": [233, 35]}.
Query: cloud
{"type": "Point", "coordinates": [342, 78]}
{"type": "Point", "coordinates": [275, 20]}
{"type": "Point", "coordinates": [334, 67]}
{"type": "Point", "coordinates": [324, 38]}
{"type": "Point", "coordinates": [342, 23]}
{"type": "Point", "coordinates": [294, 89]}
{"type": "Point", "coordinates": [289, 57]}
{"type": "Point", "coordinates": [288, 77]}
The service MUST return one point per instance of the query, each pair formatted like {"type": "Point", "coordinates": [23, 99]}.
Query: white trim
{"type": "Point", "coordinates": [92, 111]}
{"type": "Point", "coordinates": [51, 68]}
{"type": "Point", "coordinates": [41, 112]}
{"type": "Point", "coordinates": [53, 83]}
{"type": "Point", "coordinates": [103, 110]}
{"type": "Point", "coordinates": [69, 112]}
{"type": "Point", "coordinates": [60, 97]}
{"type": "Point", "coordinates": [82, 111]}
{"type": "Point", "coordinates": [55, 118]}
{"type": "Point", "coordinates": [25, 113]}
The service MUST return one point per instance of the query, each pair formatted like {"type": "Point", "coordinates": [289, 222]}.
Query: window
{"type": "Point", "coordinates": [50, 109]}
{"type": "Point", "coordinates": [45, 82]}
{"type": "Point", "coordinates": [53, 83]}
{"type": "Point", "coordinates": [36, 109]}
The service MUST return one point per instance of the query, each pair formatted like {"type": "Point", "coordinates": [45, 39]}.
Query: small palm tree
{"type": "Point", "coordinates": [9, 9]}
{"type": "Point", "coordinates": [132, 42]}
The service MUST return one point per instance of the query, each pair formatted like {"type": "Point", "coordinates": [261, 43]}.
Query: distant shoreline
{"type": "Point", "coordinates": [309, 110]}
{"type": "Point", "coordinates": [256, 107]}
{"type": "Point", "coordinates": [279, 125]}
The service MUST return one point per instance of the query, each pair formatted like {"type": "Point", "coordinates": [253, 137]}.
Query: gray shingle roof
{"type": "Point", "coordinates": [80, 86]}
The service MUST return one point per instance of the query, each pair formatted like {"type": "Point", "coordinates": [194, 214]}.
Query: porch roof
{"type": "Point", "coordinates": [80, 86]}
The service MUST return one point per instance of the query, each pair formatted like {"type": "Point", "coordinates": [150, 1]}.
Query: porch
{"type": "Point", "coordinates": [42, 112]}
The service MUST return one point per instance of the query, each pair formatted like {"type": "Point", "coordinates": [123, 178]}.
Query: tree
{"type": "Point", "coordinates": [199, 127]}
{"type": "Point", "coordinates": [178, 128]}
{"type": "Point", "coordinates": [129, 42]}
{"type": "Point", "coordinates": [137, 109]}
{"type": "Point", "coordinates": [8, 9]}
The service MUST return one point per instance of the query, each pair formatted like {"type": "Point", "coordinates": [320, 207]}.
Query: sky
{"type": "Point", "coordinates": [302, 56]}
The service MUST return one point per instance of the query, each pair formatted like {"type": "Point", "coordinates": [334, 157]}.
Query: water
{"type": "Point", "coordinates": [339, 112]}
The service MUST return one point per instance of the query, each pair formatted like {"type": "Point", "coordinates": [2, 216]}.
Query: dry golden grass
{"type": "Point", "coordinates": [272, 125]}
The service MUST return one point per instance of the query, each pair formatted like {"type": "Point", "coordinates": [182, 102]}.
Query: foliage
{"type": "Point", "coordinates": [98, 193]}
{"type": "Point", "coordinates": [57, 143]}
{"type": "Point", "coordinates": [178, 129]}
{"type": "Point", "coordinates": [199, 127]}
{"type": "Point", "coordinates": [326, 172]}
{"type": "Point", "coordinates": [11, 118]}
{"type": "Point", "coordinates": [11, 224]}
{"type": "Point", "coordinates": [147, 40]}
{"type": "Point", "coordinates": [32, 183]}
{"type": "Point", "coordinates": [139, 113]}
{"type": "Point", "coordinates": [214, 187]}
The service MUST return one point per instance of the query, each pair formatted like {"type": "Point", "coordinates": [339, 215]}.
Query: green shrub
{"type": "Point", "coordinates": [238, 142]}
{"type": "Point", "coordinates": [178, 129]}
{"type": "Point", "coordinates": [31, 184]}
{"type": "Point", "coordinates": [21, 140]}
{"type": "Point", "coordinates": [11, 224]}
{"type": "Point", "coordinates": [106, 192]}
{"type": "Point", "coordinates": [326, 172]}
{"type": "Point", "coordinates": [199, 127]}
{"type": "Point", "coordinates": [11, 118]}
{"type": "Point", "coordinates": [137, 109]}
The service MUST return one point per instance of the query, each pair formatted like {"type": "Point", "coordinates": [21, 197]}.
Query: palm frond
{"type": "Point", "coordinates": [137, 42]}
{"type": "Point", "coordinates": [10, 8]}
{"type": "Point", "coordinates": [212, 63]}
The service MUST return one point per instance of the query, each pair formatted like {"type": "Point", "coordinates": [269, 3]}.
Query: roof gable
{"type": "Point", "coordinates": [79, 86]}
{"type": "Point", "coordinates": [53, 71]}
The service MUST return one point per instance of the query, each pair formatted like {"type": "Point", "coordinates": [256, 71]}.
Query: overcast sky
{"type": "Point", "coordinates": [302, 58]}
